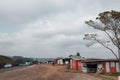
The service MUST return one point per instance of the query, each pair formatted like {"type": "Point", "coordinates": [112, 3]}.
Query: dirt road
{"type": "Point", "coordinates": [45, 72]}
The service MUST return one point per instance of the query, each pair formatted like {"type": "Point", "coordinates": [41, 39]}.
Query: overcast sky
{"type": "Point", "coordinates": [50, 28]}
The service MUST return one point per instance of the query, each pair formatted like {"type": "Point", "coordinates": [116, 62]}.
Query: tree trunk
{"type": "Point", "coordinates": [119, 58]}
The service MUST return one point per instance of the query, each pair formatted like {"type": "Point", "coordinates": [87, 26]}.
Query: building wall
{"type": "Point", "coordinates": [107, 66]}
{"type": "Point", "coordinates": [61, 61]}
{"type": "Point", "coordinates": [80, 65]}
{"type": "Point", "coordinates": [84, 68]}
{"type": "Point", "coordinates": [100, 67]}
{"type": "Point", "coordinates": [110, 67]}
{"type": "Point", "coordinates": [58, 61]}
{"type": "Point", "coordinates": [75, 64]}
{"type": "Point", "coordinates": [104, 67]}
{"type": "Point", "coordinates": [113, 67]}
{"type": "Point", "coordinates": [117, 67]}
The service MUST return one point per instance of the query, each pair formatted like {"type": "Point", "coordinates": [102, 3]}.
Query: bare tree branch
{"type": "Point", "coordinates": [108, 49]}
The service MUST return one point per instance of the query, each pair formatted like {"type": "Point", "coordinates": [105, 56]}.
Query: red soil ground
{"type": "Point", "coordinates": [45, 72]}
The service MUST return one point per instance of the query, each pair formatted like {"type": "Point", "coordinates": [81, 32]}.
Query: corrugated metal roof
{"type": "Point", "coordinates": [97, 60]}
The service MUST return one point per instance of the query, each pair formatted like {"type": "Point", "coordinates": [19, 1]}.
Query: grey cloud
{"type": "Point", "coordinates": [25, 11]}
{"type": "Point", "coordinates": [50, 28]}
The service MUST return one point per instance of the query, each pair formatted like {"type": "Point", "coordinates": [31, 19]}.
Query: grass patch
{"type": "Point", "coordinates": [71, 70]}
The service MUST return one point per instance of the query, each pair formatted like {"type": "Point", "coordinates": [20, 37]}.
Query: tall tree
{"type": "Point", "coordinates": [109, 23]}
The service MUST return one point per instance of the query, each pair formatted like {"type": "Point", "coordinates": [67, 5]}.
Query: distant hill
{"type": "Point", "coordinates": [5, 59]}
{"type": "Point", "coordinates": [21, 59]}
{"type": "Point", "coordinates": [44, 59]}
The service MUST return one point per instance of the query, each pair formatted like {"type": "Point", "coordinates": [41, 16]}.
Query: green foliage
{"type": "Point", "coordinates": [21, 60]}
{"type": "Point", "coordinates": [4, 59]}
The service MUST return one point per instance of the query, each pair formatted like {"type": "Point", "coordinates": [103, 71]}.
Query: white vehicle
{"type": "Point", "coordinates": [7, 65]}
